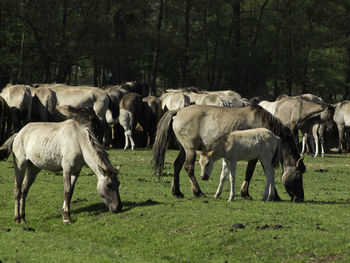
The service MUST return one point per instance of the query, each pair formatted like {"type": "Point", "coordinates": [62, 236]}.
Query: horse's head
{"type": "Point", "coordinates": [108, 189]}
{"type": "Point", "coordinates": [292, 179]}
{"type": "Point", "coordinates": [206, 162]}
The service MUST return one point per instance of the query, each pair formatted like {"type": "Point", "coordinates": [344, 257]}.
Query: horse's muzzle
{"type": "Point", "coordinates": [116, 209]}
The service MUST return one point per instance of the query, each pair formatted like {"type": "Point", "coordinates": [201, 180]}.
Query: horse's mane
{"type": "Point", "coordinates": [278, 128]}
{"type": "Point", "coordinates": [100, 150]}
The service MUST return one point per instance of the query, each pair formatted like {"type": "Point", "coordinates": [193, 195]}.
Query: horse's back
{"type": "Point", "coordinates": [342, 114]}
{"type": "Point", "coordinates": [199, 126]}
{"type": "Point", "coordinates": [45, 143]}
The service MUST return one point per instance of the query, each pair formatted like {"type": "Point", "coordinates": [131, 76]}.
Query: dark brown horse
{"type": "Point", "coordinates": [197, 128]}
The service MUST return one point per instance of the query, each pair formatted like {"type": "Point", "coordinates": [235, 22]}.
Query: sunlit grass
{"type": "Point", "coordinates": [156, 227]}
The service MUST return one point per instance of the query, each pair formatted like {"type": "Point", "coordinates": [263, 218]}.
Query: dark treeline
{"type": "Point", "coordinates": [255, 47]}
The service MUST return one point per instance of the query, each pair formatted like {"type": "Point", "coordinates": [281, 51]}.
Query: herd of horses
{"type": "Point", "coordinates": [60, 127]}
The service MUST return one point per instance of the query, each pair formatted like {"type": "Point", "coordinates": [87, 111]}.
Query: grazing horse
{"type": "Point", "coordinates": [244, 145]}
{"type": "Point", "coordinates": [59, 146]}
{"type": "Point", "coordinates": [198, 127]}
{"type": "Point", "coordinates": [19, 100]}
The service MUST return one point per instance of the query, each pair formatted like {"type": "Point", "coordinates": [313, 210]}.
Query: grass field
{"type": "Point", "coordinates": [156, 227]}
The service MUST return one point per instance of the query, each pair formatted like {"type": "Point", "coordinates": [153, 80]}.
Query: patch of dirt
{"type": "Point", "coordinates": [236, 226]}
{"type": "Point", "coordinates": [266, 226]}
{"type": "Point", "coordinates": [28, 228]}
{"type": "Point", "coordinates": [326, 258]}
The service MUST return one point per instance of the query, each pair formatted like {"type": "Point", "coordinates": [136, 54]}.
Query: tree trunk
{"type": "Point", "coordinates": [254, 41]}
{"type": "Point", "coordinates": [156, 48]}
{"type": "Point", "coordinates": [62, 63]}
{"type": "Point", "coordinates": [187, 44]}
{"type": "Point", "coordinates": [347, 75]}
{"type": "Point", "coordinates": [20, 67]}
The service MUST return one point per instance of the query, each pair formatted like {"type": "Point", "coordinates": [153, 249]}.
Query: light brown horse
{"type": "Point", "coordinates": [198, 127]}
{"type": "Point", "coordinates": [244, 145]}
{"type": "Point", "coordinates": [56, 146]}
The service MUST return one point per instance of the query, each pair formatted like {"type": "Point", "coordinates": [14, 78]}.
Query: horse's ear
{"type": "Point", "coordinates": [119, 166]}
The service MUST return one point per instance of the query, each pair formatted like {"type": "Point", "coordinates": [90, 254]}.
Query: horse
{"type": "Point", "coordinates": [219, 100]}
{"type": "Point", "coordinates": [151, 114]}
{"type": "Point", "coordinates": [342, 119]}
{"type": "Point", "coordinates": [130, 108]}
{"type": "Point", "coordinates": [85, 96]}
{"type": "Point", "coordinates": [19, 100]}
{"type": "Point", "coordinates": [56, 146]}
{"type": "Point", "coordinates": [116, 93]}
{"type": "Point", "coordinates": [197, 127]}
{"type": "Point", "coordinates": [83, 115]}
{"type": "Point", "coordinates": [174, 101]}
{"type": "Point", "coordinates": [5, 121]}
{"type": "Point", "coordinates": [244, 145]}
{"type": "Point", "coordinates": [301, 112]}
{"type": "Point", "coordinates": [43, 104]}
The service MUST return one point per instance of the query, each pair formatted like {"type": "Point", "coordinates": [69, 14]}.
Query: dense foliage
{"type": "Point", "coordinates": [256, 47]}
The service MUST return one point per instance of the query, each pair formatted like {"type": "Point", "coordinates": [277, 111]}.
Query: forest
{"type": "Point", "coordinates": [255, 47]}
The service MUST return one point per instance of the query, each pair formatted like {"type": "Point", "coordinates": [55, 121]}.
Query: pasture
{"type": "Point", "coordinates": [154, 226]}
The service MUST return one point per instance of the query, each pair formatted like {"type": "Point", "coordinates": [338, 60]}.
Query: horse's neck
{"type": "Point", "coordinates": [91, 157]}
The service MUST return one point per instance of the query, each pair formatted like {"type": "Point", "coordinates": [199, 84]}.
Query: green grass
{"type": "Point", "coordinates": [156, 227]}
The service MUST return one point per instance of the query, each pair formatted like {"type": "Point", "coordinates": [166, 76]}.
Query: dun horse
{"type": "Point", "coordinates": [198, 127]}
{"type": "Point", "coordinates": [244, 145]}
{"type": "Point", "coordinates": [59, 146]}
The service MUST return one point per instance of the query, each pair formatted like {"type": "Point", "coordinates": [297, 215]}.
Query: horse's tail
{"type": "Point", "coordinates": [6, 148]}
{"type": "Point", "coordinates": [161, 141]}
{"type": "Point", "coordinates": [277, 156]}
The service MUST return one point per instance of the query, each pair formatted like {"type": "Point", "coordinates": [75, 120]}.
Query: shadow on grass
{"type": "Point", "coordinates": [99, 208]}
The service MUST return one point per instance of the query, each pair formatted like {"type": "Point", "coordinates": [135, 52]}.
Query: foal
{"type": "Point", "coordinates": [247, 145]}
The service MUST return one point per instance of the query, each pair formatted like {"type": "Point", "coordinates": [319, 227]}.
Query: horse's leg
{"type": "Point", "coordinates": [320, 134]}
{"type": "Point", "coordinates": [189, 167]}
{"type": "Point", "coordinates": [223, 175]}
{"type": "Point", "coordinates": [269, 193]}
{"type": "Point", "coordinates": [132, 142]}
{"type": "Point", "coordinates": [69, 181]}
{"type": "Point", "coordinates": [19, 175]}
{"type": "Point", "coordinates": [341, 133]}
{"type": "Point", "coordinates": [304, 142]}
{"type": "Point", "coordinates": [29, 179]}
{"type": "Point", "coordinates": [248, 176]}
{"type": "Point", "coordinates": [180, 160]}
{"type": "Point", "coordinates": [315, 135]}
{"type": "Point", "coordinates": [232, 167]}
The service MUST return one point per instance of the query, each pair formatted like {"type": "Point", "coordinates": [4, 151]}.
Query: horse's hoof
{"type": "Point", "coordinates": [17, 220]}
{"type": "Point", "coordinates": [22, 220]}
{"type": "Point", "coordinates": [199, 194]}
{"type": "Point", "coordinates": [247, 197]}
{"type": "Point", "coordinates": [66, 222]}
{"type": "Point", "coordinates": [178, 194]}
